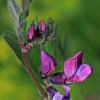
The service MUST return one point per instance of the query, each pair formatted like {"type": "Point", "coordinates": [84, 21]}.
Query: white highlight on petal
{"type": "Point", "coordinates": [57, 96]}
{"type": "Point", "coordinates": [66, 88]}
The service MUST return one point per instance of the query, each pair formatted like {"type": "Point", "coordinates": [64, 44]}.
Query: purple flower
{"type": "Point", "coordinates": [51, 91]}
{"type": "Point", "coordinates": [48, 64]}
{"type": "Point", "coordinates": [41, 28]}
{"type": "Point", "coordinates": [31, 33]}
{"type": "Point", "coordinates": [55, 94]}
{"type": "Point", "coordinates": [74, 71]}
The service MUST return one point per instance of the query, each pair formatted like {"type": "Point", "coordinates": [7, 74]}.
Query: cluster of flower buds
{"type": "Point", "coordinates": [39, 30]}
{"type": "Point", "coordinates": [35, 33]}
{"type": "Point", "coordinates": [39, 34]}
{"type": "Point", "coordinates": [74, 72]}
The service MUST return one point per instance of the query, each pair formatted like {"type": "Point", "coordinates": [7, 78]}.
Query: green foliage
{"type": "Point", "coordinates": [16, 6]}
{"type": "Point", "coordinates": [79, 29]}
{"type": "Point", "coordinates": [25, 6]}
{"type": "Point", "coordinates": [13, 14]}
{"type": "Point", "coordinates": [12, 41]}
{"type": "Point", "coordinates": [33, 55]}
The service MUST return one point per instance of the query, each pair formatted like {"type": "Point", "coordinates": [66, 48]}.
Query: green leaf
{"type": "Point", "coordinates": [23, 25]}
{"type": "Point", "coordinates": [13, 14]}
{"type": "Point", "coordinates": [30, 1]}
{"type": "Point", "coordinates": [12, 41]}
{"type": "Point", "coordinates": [22, 20]}
{"type": "Point", "coordinates": [33, 54]}
{"type": "Point", "coordinates": [16, 6]}
{"type": "Point", "coordinates": [22, 17]}
{"type": "Point", "coordinates": [25, 6]}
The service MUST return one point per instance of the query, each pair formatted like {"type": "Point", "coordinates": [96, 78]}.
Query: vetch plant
{"type": "Point", "coordinates": [39, 33]}
{"type": "Point", "coordinates": [74, 71]}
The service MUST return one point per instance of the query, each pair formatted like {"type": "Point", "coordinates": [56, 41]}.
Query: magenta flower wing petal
{"type": "Point", "coordinates": [44, 62]}
{"type": "Point", "coordinates": [31, 33]}
{"type": "Point", "coordinates": [71, 65]}
{"type": "Point", "coordinates": [79, 56]}
{"type": "Point", "coordinates": [66, 88]}
{"type": "Point", "coordinates": [83, 72]}
{"type": "Point", "coordinates": [48, 63]}
{"type": "Point", "coordinates": [57, 96]}
{"type": "Point", "coordinates": [66, 96]}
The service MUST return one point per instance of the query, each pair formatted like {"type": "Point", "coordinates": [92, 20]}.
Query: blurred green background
{"type": "Point", "coordinates": [78, 29]}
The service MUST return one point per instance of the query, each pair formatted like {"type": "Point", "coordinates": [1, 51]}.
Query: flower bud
{"type": "Point", "coordinates": [55, 94]}
{"type": "Point", "coordinates": [58, 78]}
{"type": "Point", "coordinates": [51, 91]}
{"type": "Point", "coordinates": [31, 33]}
{"type": "Point", "coordinates": [48, 64]}
{"type": "Point", "coordinates": [41, 28]}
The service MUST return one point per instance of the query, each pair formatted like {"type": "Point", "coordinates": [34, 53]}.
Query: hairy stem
{"type": "Point", "coordinates": [29, 69]}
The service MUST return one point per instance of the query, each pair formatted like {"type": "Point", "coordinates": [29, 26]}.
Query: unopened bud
{"type": "Point", "coordinates": [41, 28]}
{"type": "Point", "coordinates": [31, 33]}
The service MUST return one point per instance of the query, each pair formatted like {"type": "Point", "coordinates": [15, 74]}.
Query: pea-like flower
{"type": "Point", "coordinates": [48, 64]}
{"type": "Point", "coordinates": [31, 33]}
{"type": "Point", "coordinates": [55, 94]}
{"type": "Point", "coordinates": [74, 71]}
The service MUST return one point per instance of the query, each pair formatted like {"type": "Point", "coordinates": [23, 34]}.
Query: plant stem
{"type": "Point", "coordinates": [29, 68]}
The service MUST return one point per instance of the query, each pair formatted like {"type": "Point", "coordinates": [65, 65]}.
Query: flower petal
{"type": "Point", "coordinates": [83, 72]}
{"type": "Point", "coordinates": [79, 56]}
{"type": "Point", "coordinates": [51, 91]}
{"type": "Point", "coordinates": [66, 96]}
{"type": "Point", "coordinates": [58, 78]}
{"type": "Point", "coordinates": [48, 63]}
{"type": "Point", "coordinates": [66, 88]}
{"type": "Point", "coordinates": [72, 64]}
{"type": "Point", "coordinates": [57, 96]}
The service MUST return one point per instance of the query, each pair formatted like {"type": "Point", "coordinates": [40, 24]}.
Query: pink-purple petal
{"type": "Point", "coordinates": [51, 91]}
{"type": "Point", "coordinates": [57, 96]}
{"type": "Point", "coordinates": [79, 56]}
{"type": "Point", "coordinates": [66, 96]}
{"type": "Point", "coordinates": [66, 88]}
{"type": "Point", "coordinates": [72, 64]}
{"type": "Point", "coordinates": [83, 72]}
{"type": "Point", "coordinates": [70, 67]}
{"type": "Point", "coordinates": [48, 63]}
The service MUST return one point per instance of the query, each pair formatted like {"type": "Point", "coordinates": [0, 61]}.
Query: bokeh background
{"type": "Point", "coordinates": [78, 29]}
